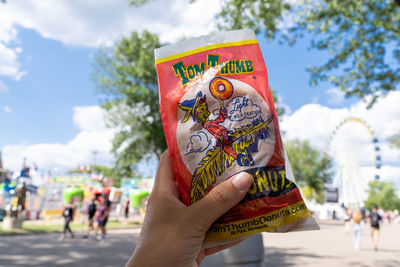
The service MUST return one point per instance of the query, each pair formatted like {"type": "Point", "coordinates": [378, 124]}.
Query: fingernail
{"type": "Point", "coordinates": [242, 181]}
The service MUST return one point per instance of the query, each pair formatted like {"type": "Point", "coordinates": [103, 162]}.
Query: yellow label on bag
{"type": "Point", "coordinates": [266, 222]}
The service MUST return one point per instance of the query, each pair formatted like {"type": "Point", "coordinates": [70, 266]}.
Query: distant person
{"type": "Point", "coordinates": [334, 216]}
{"type": "Point", "coordinates": [357, 218]}
{"type": "Point", "coordinates": [68, 214]}
{"type": "Point", "coordinates": [126, 208]}
{"type": "Point", "coordinates": [102, 216]}
{"type": "Point", "coordinates": [108, 204]}
{"type": "Point", "coordinates": [388, 217]}
{"type": "Point", "coordinates": [366, 219]}
{"type": "Point", "coordinates": [375, 219]}
{"type": "Point", "coordinates": [91, 212]}
{"type": "Point", "coordinates": [21, 196]}
{"type": "Point", "coordinates": [363, 213]}
{"type": "Point", "coordinates": [347, 220]}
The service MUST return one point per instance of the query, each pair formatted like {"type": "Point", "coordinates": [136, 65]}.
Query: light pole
{"type": "Point", "coordinates": [94, 159]}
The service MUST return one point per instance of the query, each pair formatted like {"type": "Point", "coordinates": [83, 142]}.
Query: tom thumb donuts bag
{"type": "Point", "coordinates": [219, 120]}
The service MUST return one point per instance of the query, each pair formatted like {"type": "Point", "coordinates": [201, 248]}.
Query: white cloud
{"type": "Point", "coordinates": [90, 118]}
{"type": "Point", "coordinates": [7, 109]}
{"type": "Point", "coordinates": [352, 142]}
{"type": "Point", "coordinates": [9, 65]}
{"type": "Point", "coordinates": [94, 136]}
{"type": "Point", "coordinates": [93, 23]}
{"type": "Point", "coordinates": [336, 96]}
{"type": "Point", "coordinates": [312, 122]}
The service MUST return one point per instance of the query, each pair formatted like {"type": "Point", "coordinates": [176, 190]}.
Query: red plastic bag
{"type": "Point", "coordinates": [219, 119]}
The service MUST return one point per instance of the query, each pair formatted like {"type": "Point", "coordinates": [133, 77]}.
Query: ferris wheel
{"type": "Point", "coordinates": [357, 156]}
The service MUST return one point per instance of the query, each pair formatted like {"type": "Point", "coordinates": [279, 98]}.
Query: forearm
{"type": "Point", "coordinates": [163, 246]}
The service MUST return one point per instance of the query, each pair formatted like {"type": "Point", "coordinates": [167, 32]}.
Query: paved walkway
{"type": "Point", "coordinates": [45, 250]}
{"type": "Point", "coordinates": [328, 247]}
{"type": "Point", "coordinates": [332, 247]}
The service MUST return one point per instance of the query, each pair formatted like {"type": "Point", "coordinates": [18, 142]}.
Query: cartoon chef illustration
{"type": "Point", "coordinates": [231, 144]}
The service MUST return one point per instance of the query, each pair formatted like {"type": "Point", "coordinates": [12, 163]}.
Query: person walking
{"type": "Point", "coordinates": [375, 219]}
{"type": "Point", "coordinates": [102, 216]}
{"type": "Point", "coordinates": [91, 212]}
{"type": "Point", "coordinates": [357, 218]}
{"type": "Point", "coordinates": [334, 216]}
{"type": "Point", "coordinates": [68, 214]}
{"type": "Point", "coordinates": [126, 209]}
{"type": "Point", "coordinates": [347, 220]}
{"type": "Point", "coordinates": [21, 198]}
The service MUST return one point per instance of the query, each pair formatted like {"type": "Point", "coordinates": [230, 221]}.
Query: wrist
{"type": "Point", "coordinates": [151, 254]}
{"type": "Point", "coordinates": [145, 255]}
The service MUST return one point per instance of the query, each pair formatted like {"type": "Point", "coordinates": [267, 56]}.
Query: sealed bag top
{"type": "Point", "coordinates": [219, 119]}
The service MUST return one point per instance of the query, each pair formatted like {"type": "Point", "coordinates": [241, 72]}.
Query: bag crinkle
{"type": "Point", "coordinates": [219, 119]}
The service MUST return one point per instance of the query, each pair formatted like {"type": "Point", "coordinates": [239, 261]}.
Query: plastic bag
{"type": "Point", "coordinates": [219, 119]}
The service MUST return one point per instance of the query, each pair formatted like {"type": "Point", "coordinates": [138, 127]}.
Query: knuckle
{"type": "Point", "coordinates": [219, 196]}
{"type": "Point", "coordinates": [164, 155]}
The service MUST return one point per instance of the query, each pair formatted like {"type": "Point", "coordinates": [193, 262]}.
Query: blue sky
{"type": "Point", "coordinates": [41, 103]}
{"type": "Point", "coordinates": [49, 108]}
{"type": "Point", "coordinates": [58, 78]}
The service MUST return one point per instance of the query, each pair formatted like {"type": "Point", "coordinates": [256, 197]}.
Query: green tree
{"type": "Point", "coordinates": [382, 195]}
{"type": "Point", "coordinates": [361, 37]}
{"type": "Point", "coordinates": [126, 76]}
{"type": "Point", "coordinates": [311, 168]}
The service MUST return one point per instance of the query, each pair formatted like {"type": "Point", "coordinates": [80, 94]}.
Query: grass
{"type": "Point", "coordinates": [57, 228]}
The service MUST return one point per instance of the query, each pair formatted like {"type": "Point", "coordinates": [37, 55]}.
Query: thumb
{"type": "Point", "coordinates": [221, 199]}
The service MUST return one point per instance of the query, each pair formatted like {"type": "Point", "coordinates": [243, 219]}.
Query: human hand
{"type": "Point", "coordinates": [172, 233]}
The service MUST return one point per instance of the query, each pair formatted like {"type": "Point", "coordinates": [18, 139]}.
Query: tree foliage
{"type": "Point", "coordinates": [311, 168]}
{"type": "Point", "coordinates": [361, 37]}
{"type": "Point", "coordinates": [382, 195]}
{"type": "Point", "coordinates": [126, 75]}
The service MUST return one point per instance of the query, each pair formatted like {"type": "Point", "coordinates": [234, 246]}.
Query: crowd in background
{"type": "Point", "coordinates": [358, 219]}
{"type": "Point", "coordinates": [98, 214]}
